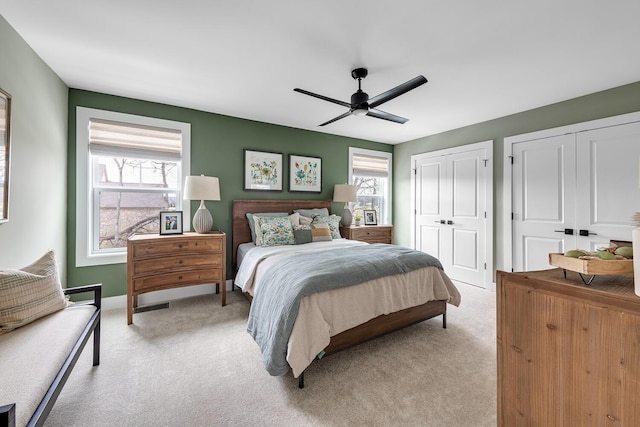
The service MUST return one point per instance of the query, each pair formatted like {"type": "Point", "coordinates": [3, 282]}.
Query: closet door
{"type": "Point", "coordinates": [450, 219]}
{"type": "Point", "coordinates": [430, 194]}
{"type": "Point", "coordinates": [543, 199]}
{"type": "Point", "coordinates": [608, 193]}
{"type": "Point", "coordinates": [465, 234]}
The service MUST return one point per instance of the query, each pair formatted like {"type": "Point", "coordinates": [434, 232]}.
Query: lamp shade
{"type": "Point", "coordinates": [201, 188]}
{"type": "Point", "coordinates": [344, 193]}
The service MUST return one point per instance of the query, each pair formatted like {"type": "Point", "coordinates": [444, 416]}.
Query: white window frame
{"type": "Point", "coordinates": [388, 193]}
{"type": "Point", "coordinates": [85, 256]}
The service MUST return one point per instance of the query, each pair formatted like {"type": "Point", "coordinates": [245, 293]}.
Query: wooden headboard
{"type": "Point", "coordinates": [241, 231]}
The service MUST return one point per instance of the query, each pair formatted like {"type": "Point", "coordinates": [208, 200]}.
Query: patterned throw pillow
{"type": "Point", "coordinates": [274, 231]}
{"type": "Point", "coordinates": [251, 219]}
{"type": "Point", "coordinates": [30, 293]}
{"type": "Point", "coordinates": [332, 220]}
{"type": "Point", "coordinates": [320, 233]}
{"type": "Point", "coordinates": [257, 233]}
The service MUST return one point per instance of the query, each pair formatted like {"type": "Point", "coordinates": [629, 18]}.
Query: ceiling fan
{"type": "Point", "coordinates": [362, 105]}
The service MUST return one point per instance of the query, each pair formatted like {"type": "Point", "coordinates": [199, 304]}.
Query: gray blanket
{"type": "Point", "coordinates": [275, 305]}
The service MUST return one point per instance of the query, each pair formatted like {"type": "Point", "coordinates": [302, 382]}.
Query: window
{"type": "Point", "coordinates": [129, 168]}
{"type": "Point", "coordinates": [370, 171]}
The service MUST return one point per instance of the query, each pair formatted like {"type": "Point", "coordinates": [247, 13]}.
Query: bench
{"type": "Point", "coordinates": [38, 358]}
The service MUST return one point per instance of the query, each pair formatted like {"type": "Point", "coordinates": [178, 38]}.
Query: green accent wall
{"type": "Point", "coordinates": [217, 144]}
{"type": "Point", "coordinates": [612, 102]}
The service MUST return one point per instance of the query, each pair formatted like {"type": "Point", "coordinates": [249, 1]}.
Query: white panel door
{"type": "Point", "coordinates": [608, 193]}
{"type": "Point", "coordinates": [466, 215]}
{"type": "Point", "coordinates": [450, 219]}
{"type": "Point", "coordinates": [573, 191]}
{"type": "Point", "coordinates": [543, 182]}
{"type": "Point", "coordinates": [430, 183]}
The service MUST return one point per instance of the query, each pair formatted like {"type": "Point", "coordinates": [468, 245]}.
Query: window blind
{"type": "Point", "coordinates": [134, 141]}
{"type": "Point", "coordinates": [370, 166]}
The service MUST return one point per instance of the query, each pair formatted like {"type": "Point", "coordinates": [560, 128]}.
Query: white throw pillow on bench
{"type": "Point", "coordinates": [30, 293]}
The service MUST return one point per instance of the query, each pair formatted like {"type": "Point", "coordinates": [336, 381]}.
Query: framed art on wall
{"type": "Point", "coordinates": [171, 222]}
{"type": "Point", "coordinates": [5, 133]}
{"type": "Point", "coordinates": [305, 173]}
{"type": "Point", "coordinates": [370, 217]}
{"type": "Point", "coordinates": [262, 170]}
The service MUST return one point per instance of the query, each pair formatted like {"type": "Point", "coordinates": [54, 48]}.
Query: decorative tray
{"type": "Point", "coordinates": [592, 266]}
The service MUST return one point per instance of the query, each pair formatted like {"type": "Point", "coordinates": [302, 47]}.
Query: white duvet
{"type": "Point", "coordinates": [326, 314]}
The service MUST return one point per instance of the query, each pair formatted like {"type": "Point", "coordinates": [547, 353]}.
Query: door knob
{"type": "Point", "coordinates": [587, 233]}
{"type": "Point", "coordinates": [450, 222]}
{"type": "Point", "coordinates": [565, 231]}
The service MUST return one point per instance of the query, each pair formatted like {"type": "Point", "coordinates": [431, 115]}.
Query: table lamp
{"type": "Point", "coordinates": [202, 188]}
{"type": "Point", "coordinates": [345, 193]}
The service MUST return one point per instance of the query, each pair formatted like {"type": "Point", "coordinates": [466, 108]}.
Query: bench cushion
{"type": "Point", "coordinates": [33, 354]}
{"type": "Point", "coordinates": [30, 293]}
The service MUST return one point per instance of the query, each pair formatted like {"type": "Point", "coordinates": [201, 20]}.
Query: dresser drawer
{"type": "Point", "coordinates": [371, 234]}
{"type": "Point", "coordinates": [176, 262]}
{"type": "Point", "coordinates": [159, 262]}
{"type": "Point", "coordinates": [168, 247]}
{"type": "Point", "coordinates": [173, 280]}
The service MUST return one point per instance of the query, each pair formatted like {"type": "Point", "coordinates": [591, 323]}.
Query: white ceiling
{"type": "Point", "coordinates": [483, 59]}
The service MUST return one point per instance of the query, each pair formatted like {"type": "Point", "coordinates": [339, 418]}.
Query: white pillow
{"type": "Point", "coordinates": [305, 220]}
{"type": "Point", "coordinates": [313, 211]}
{"type": "Point", "coordinates": [30, 293]}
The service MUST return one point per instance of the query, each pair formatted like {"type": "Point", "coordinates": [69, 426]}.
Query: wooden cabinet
{"type": "Point", "coordinates": [368, 233]}
{"type": "Point", "coordinates": [568, 354]}
{"type": "Point", "coordinates": [156, 262]}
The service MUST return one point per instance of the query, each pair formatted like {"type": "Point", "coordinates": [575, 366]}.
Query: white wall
{"type": "Point", "coordinates": [38, 177]}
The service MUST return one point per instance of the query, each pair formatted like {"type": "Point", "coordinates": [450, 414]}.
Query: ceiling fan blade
{"type": "Point", "coordinates": [379, 114]}
{"type": "Point", "coordinates": [342, 116]}
{"type": "Point", "coordinates": [396, 91]}
{"type": "Point", "coordinates": [315, 95]}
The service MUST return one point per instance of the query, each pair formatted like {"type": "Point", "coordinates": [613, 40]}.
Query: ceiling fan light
{"type": "Point", "coordinates": [360, 112]}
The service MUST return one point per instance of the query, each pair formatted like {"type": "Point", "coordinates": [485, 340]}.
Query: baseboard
{"type": "Point", "coordinates": [120, 301]}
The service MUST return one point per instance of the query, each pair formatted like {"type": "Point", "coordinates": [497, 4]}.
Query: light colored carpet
{"type": "Point", "coordinates": [194, 364]}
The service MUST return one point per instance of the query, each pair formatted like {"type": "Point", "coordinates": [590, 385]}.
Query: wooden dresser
{"type": "Point", "coordinates": [568, 354]}
{"type": "Point", "coordinates": [156, 262]}
{"type": "Point", "coordinates": [368, 233]}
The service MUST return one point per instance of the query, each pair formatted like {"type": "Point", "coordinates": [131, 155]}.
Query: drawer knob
{"type": "Point", "coordinates": [180, 262]}
{"type": "Point", "coordinates": [179, 277]}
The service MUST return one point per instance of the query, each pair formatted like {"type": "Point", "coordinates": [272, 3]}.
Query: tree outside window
{"type": "Point", "coordinates": [131, 193]}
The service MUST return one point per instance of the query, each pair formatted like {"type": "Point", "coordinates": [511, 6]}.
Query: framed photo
{"type": "Point", "coordinates": [305, 173]}
{"type": "Point", "coordinates": [5, 133]}
{"type": "Point", "coordinates": [262, 170]}
{"type": "Point", "coordinates": [370, 217]}
{"type": "Point", "coordinates": [171, 222]}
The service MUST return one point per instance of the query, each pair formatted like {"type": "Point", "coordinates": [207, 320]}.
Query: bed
{"type": "Point", "coordinates": [332, 320]}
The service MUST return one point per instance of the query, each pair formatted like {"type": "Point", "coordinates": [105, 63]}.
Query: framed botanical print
{"type": "Point", "coordinates": [5, 133]}
{"type": "Point", "coordinates": [305, 173]}
{"type": "Point", "coordinates": [262, 170]}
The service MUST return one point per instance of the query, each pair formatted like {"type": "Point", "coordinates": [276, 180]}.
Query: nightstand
{"type": "Point", "coordinates": [368, 233]}
{"type": "Point", "coordinates": [156, 262]}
